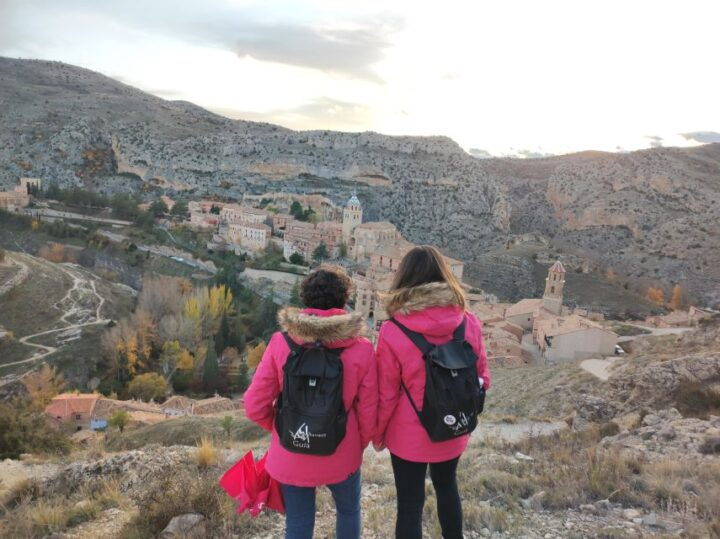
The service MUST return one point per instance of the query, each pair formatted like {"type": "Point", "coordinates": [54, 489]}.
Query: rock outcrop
{"type": "Point", "coordinates": [649, 215]}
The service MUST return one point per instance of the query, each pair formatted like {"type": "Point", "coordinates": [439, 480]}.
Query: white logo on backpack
{"type": "Point", "coordinates": [449, 419]}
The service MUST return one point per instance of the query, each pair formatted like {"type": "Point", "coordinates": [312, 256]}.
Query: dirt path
{"type": "Point", "coordinates": [76, 314]}
{"type": "Point", "coordinates": [599, 368]}
{"type": "Point", "coordinates": [654, 332]}
{"type": "Point", "coordinates": [16, 279]}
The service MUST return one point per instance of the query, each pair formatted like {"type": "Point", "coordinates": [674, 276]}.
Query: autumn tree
{"type": "Point", "coordinates": [148, 386]}
{"type": "Point", "coordinates": [43, 385]}
{"type": "Point", "coordinates": [656, 295]}
{"type": "Point", "coordinates": [174, 357]}
{"type": "Point", "coordinates": [162, 296]}
{"type": "Point", "coordinates": [255, 354]}
{"type": "Point", "coordinates": [676, 301]}
{"type": "Point", "coordinates": [119, 420]}
{"type": "Point", "coordinates": [211, 369]}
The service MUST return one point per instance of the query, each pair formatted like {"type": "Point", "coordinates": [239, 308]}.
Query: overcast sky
{"type": "Point", "coordinates": [498, 76]}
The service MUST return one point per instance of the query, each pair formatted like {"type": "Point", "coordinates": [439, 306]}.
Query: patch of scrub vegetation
{"type": "Point", "coordinates": [186, 431]}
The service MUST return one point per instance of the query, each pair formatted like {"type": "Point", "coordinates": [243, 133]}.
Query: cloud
{"type": "Point", "coordinates": [531, 154]}
{"type": "Point", "coordinates": [339, 41]}
{"type": "Point", "coordinates": [704, 137]}
{"type": "Point", "coordinates": [480, 154]}
{"type": "Point", "coordinates": [330, 113]}
{"type": "Point", "coordinates": [350, 51]}
{"type": "Point", "coordinates": [655, 141]}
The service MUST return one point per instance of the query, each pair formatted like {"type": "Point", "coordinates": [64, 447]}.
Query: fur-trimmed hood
{"type": "Point", "coordinates": [417, 298]}
{"type": "Point", "coordinates": [326, 329]}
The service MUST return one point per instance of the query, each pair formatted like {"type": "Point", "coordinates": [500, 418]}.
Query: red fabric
{"type": "Point", "coordinates": [360, 400]}
{"type": "Point", "coordinates": [399, 428]}
{"type": "Point", "coordinates": [253, 488]}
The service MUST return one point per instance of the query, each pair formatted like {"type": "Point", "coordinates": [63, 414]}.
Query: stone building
{"type": "Point", "coordinates": [554, 284]}
{"type": "Point", "coordinates": [280, 222]}
{"type": "Point", "coordinates": [303, 238]}
{"type": "Point", "coordinates": [352, 217]}
{"type": "Point", "coordinates": [71, 409]}
{"type": "Point", "coordinates": [524, 312]}
{"type": "Point", "coordinates": [15, 198]}
{"type": "Point", "coordinates": [234, 213]}
{"type": "Point", "coordinates": [369, 237]}
{"type": "Point", "coordinates": [568, 338]}
{"type": "Point", "coordinates": [378, 277]}
{"type": "Point", "coordinates": [204, 220]}
{"type": "Point", "coordinates": [249, 236]}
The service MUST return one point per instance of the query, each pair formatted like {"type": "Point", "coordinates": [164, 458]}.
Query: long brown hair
{"type": "Point", "coordinates": [422, 265]}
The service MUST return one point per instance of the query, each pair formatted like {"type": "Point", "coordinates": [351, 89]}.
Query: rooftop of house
{"type": "Point", "coordinates": [560, 325]}
{"type": "Point", "coordinates": [524, 306]}
{"type": "Point", "coordinates": [67, 404]}
{"type": "Point", "coordinates": [377, 225]}
{"type": "Point", "coordinates": [213, 404]}
{"type": "Point", "coordinates": [179, 402]}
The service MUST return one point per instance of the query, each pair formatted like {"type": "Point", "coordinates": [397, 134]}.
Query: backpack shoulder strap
{"type": "Point", "coordinates": [459, 333]}
{"type": "Point", "coordinates": [294, 347]}
{"type": "Point", "coordinates": [417, 338]}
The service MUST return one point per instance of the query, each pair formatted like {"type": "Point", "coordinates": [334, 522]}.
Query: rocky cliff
{"type": "Point", "coordinates": [650, 216]}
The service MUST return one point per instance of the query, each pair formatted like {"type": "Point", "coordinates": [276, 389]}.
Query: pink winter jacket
{"type": "Point", "coordinates": [336, 329]}
{"type": "Point", "coordinates": [433, 312]}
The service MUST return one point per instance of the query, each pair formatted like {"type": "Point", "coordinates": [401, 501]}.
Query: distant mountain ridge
{"type": "Point", "coordinates": [649, 215]}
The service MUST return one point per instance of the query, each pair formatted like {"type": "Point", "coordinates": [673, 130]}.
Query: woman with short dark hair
{"type": "Point", "coordinates": [322, 325]}
{"type": "Point", "coordinates": [427, 306]}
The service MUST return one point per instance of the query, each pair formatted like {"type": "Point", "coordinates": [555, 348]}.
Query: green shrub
{"type": "Point", "coordinates": [695, 399]}
{"type": "Point", "coordinates": [24, 428]}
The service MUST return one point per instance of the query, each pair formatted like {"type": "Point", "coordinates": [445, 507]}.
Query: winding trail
{"type": "Point", "coordinates": [75, 315]}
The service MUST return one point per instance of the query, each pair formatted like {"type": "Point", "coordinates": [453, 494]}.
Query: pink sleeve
{"type": "Point", "coordinates": [479, 347]}
{"type": "Point", "coordinates": [389, 389]}
{"type": "Point", "coordinates": [366, 405]}
{"type": "Point", "coordinates": [260, 397]}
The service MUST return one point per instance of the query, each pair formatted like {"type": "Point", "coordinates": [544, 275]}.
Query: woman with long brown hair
{"type": "Point", "coordinates": [426, 408]}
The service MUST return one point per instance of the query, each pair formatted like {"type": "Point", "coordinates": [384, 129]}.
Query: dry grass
{"type": "Point", "coordinates": [696, 399]}
{"type": "Point", "coordinates": [36, 514]}
{"type": "Point", "coordinates": [571, 469]}
{"type": "Point", "coordinates": [194, 492]}
{"type": "Point", "coordinates": [47, 518]}
{"type": "Point", "coordinates": [206, 454]}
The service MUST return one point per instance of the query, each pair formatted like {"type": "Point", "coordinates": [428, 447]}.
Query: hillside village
{"type": "Point", "coordinates": [538, 348]}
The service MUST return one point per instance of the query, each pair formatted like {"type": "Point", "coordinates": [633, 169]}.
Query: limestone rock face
{"type": "Point", "coordinates": [651, 214]}
{"type": "Point", "coordinates": [655, 384]}
{"type": "Point", "coordinates": [666, 433]}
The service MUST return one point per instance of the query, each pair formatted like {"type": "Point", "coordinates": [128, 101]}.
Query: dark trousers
{"type": "Point", "coordinates": [410, 488]}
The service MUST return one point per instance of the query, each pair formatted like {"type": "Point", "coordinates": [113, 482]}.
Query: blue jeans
{"type": "Point", "coordinates": [300, 509]}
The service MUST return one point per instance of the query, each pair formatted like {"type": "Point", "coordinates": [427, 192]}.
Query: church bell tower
{"type": "Point", "coordinates": [352, 217]}
{"type": "Point", "coordinates": [554, 284]}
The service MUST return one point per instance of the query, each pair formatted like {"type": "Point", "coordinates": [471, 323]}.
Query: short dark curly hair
{"type": "Point", "coordinates": [328, 287]}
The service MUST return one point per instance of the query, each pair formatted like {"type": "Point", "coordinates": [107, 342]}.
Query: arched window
{"type": "Point", "coordinates": [552, 289]}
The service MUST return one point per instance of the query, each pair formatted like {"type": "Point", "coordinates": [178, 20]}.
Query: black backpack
{"type": "Point", "coordinates": [310, 417]}
{"type": "Point", "coordinates": [453, 395]}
